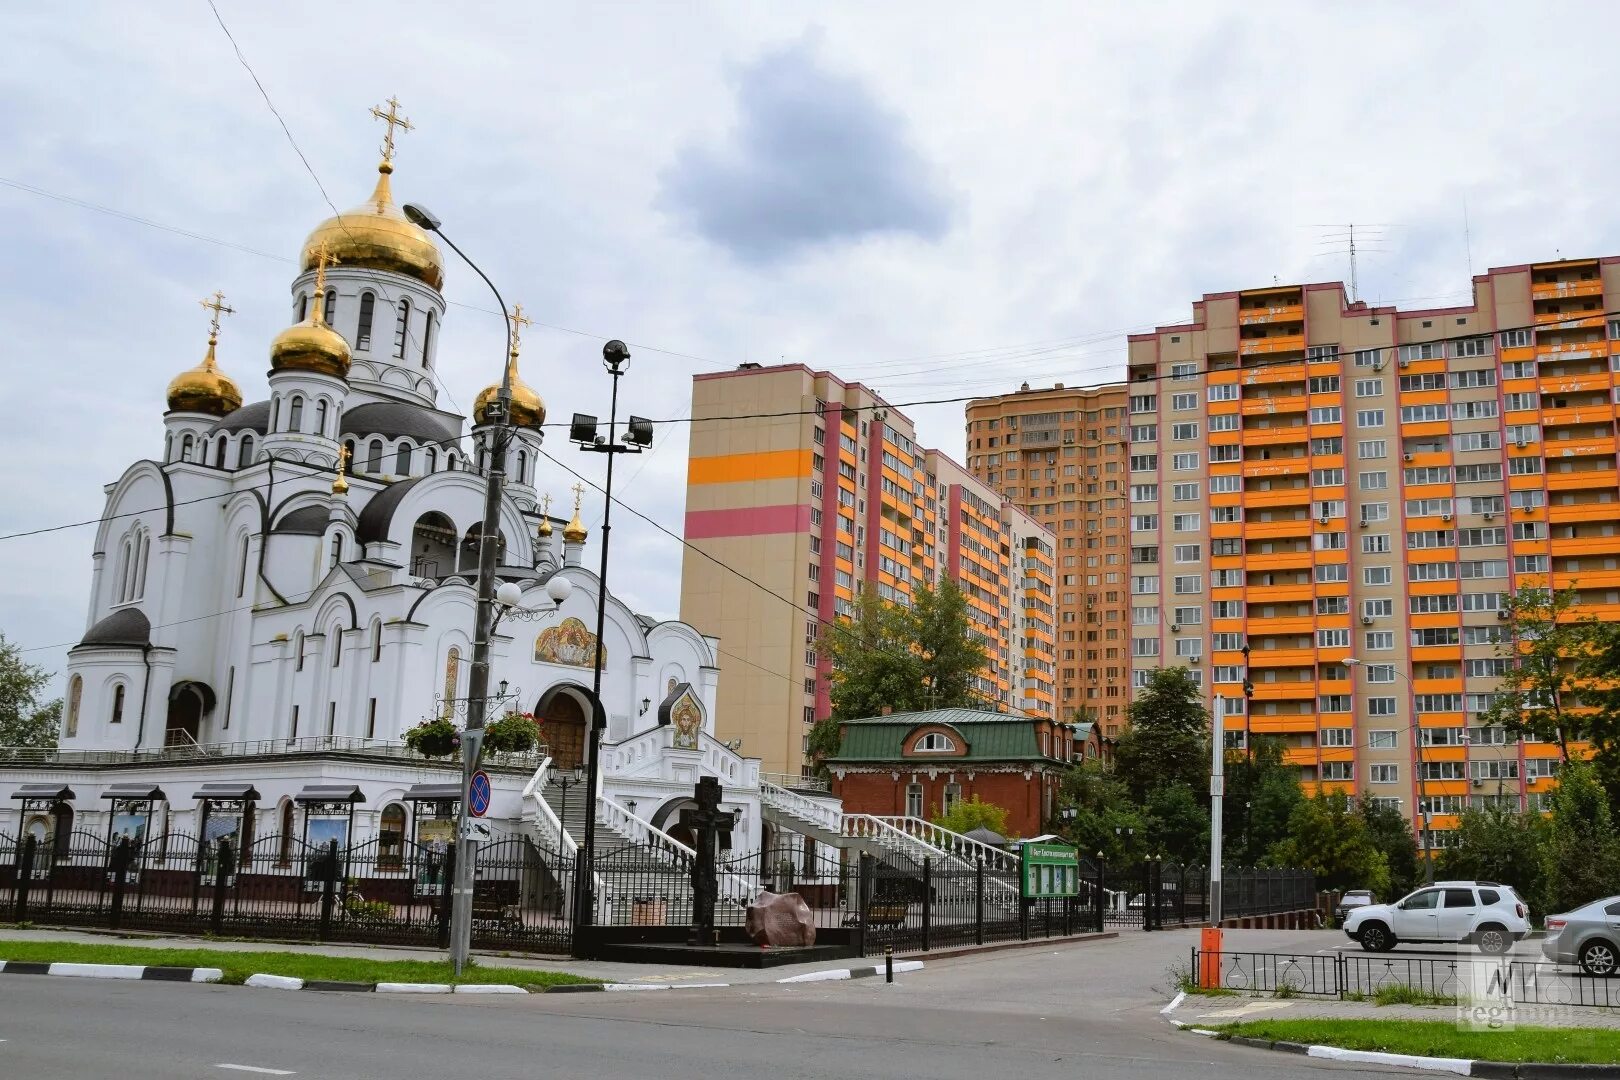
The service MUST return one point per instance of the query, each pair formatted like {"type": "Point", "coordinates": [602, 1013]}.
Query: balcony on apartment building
{"type": "Point", "coordinates": [1272, 484]}
{"type": "Point", "coordinates": [1566, 282]}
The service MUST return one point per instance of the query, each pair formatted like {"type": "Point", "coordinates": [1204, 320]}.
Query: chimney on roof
{"type": "Point", "coordinates": [887, 709]}
{"type": "Point", "coordinates": [1057, 386]}
{"type": "Point", "coordinates": [1024, 389]}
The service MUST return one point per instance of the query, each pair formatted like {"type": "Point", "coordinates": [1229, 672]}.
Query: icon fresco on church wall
{"type": "Point", "coordinates": [687, 720]}
{"type": "Point", "coordinates": [568, 643]}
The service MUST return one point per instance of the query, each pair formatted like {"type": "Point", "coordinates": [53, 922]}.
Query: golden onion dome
{"type": "Point", "coordinates": [377, 236]}
{"type": "Point", "coordinates": [311, 346]}
{"type": "Point", "coordinates": [545, 527]}
{"type": "Point", "coordinates": [528, 410]}
{"type": "Point", "coordinates": [204, 388]}
{"type": "Point", "coordinates": [574, 531]}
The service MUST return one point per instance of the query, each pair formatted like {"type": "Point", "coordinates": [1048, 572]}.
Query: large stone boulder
{"type": "Point", "coordinates": [781, 919]}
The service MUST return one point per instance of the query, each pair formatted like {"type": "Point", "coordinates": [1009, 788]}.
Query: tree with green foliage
{"type": "Point", "coordinates": [908, 659]}
{"type": "Point", "coordinates": [1177, 824]}
{"type": "Point", "coordinates": [1167, 742]}
{"type": "Point", "coordinates": [1261, 794]}
{"type": "Point", "coordinates": [826, 737]}
{"type": "Point", "coordinates": [1391, 834]}
{"type": "Point", "coordinates": [25, 720]}
{"type": "Point", "coordinates": [1498, 843]}
{"type": "Point", "coordinates": [1103, 812]}
{"type": "Point", "coordinates": [1328, 836]}
{"type": "Point", "coordinates": [1581, 855]}
{"type": "Point", "coordinates": [972, 814]}
{"type": "Point", "coordinates": [1546, 645]}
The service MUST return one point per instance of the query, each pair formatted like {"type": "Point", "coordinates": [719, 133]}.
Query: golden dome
{"type": "Point", "coordinates": [376, 235]}
{"type": "Point", "coordinates": [545, 527]}
{"type": "Point", "coordinates": [528, 410]}
{"type": "Point", "coordinates": [204, 388]}
{"type": "Point", "coordinates": [311, 346]}
{"type": "Point", "coordinates": [574, 531]}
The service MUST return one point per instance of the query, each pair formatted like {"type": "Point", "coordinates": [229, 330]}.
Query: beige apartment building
{"type": "Point", "coordinates": [1333, 498]}
{"type": "Point", "coordinates": [1058, 454]}
{"type": "Point", "coordinates": [803, 490]}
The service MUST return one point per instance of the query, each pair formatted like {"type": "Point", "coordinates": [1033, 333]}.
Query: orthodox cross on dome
{"type": "Point", "coordinates": [579, 497]}
{"type": "Point", "coordinates": [519, 321]}
{"type": "Point", "coordinates": [545, 505]}
{"type": "Point", "coordinates": [218, 306]}
{"type": "Point", "coordinates": [393, 120]}
{"type": "Point", "coordinates": [323, 259]}
{"type": "Point", "coordinates": [340, 482]}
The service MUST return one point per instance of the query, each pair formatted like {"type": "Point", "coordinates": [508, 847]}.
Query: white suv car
{"type": "Point", "coordinates": [1489, 915]}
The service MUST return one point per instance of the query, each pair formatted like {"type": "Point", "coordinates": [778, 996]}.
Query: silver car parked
{"type": "Point", "coordinates": [1588, 936]}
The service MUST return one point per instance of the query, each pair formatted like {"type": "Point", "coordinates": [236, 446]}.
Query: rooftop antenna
{"type": "Point", "coordinates": [1468, 240]}
{"type": "Point", "coordinates": [1355, 284]}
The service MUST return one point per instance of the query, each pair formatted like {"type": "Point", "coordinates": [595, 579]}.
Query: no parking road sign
{"type": "Point", "coordinates": [478, 794]}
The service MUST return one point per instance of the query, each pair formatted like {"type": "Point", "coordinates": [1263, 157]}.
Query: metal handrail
{"type": "Point", "coordinates": [641, 831]}
{"type": "Point", "coordinates": [795, 782]}
{"type": "Point", "coordinates": [312, 744]}
{"type": "Point", "coordinates": [963, 847]}
{"type": "Point", "coordinates": [780, 798]}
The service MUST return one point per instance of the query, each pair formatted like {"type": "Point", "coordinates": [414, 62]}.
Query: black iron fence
{"type": "Point", "coordinates": [281, 887]}
{"type": "Point", "coordinates": [1155, 895]}
{"type": "Point", "coordinates": [1433, 979]}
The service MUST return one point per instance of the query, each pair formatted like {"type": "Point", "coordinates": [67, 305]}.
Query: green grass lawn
{"type": "Point", "coordinates": [239, 965]}
{"type": "Point", "coordinates": [1429, 1038]}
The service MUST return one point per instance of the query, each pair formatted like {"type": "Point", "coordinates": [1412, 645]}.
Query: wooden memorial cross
{"type": "Point", "coordinates": [711, 828]}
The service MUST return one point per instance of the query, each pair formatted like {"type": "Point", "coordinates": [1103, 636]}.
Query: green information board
{"type": "Point", "coordinates": [1050, 870]}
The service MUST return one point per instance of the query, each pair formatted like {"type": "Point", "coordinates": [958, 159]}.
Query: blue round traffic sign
{"type": "Point", "coordinates": [478, 794]}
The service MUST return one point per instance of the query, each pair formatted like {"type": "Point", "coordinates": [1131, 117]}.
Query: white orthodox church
{"type": "Point", "coordinates": [285, 587]}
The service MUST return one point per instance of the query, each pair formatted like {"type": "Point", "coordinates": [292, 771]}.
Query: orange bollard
{"type": "Point", "coordinates": [1209, 958]}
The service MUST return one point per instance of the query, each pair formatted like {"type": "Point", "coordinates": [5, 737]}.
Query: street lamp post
{"type": "Point", "coordinates": [637, 437]}
{"type": "Point", "coordinates": [1417, 741]}
{"type": "Point", "coordinates": [496, 414]}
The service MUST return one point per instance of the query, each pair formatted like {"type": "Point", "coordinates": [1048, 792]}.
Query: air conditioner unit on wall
{"type": "Point", "coordinates": [1366, 620]}
{"type": "Point", "coordinates": [1489, 516]}
{"type": "Point", "coordinates": [1445, 517]}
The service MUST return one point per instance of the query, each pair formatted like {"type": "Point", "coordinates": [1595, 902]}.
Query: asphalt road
{"type": "Point", "coordinates": [1077, 1013]}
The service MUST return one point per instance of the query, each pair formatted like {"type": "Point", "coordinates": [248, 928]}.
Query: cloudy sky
{"type": "Point", "coordinates": [937, 199]}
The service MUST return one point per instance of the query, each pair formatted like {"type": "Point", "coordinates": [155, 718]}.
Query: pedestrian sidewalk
{"type": "Point", "coordinates": [1200, 1010]}
{"type": "Point", "coordinates": [645, 974]}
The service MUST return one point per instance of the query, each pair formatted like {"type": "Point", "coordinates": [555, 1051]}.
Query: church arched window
{"type": "Point", "coordinates": [298, 651]}
{"type": "Point", "coordinates": [330, 314]}
{"type": "Point", "coordinates": [450, 461]}
{"type": "Point", "coordinates": [168, 447]}
{"type": "Point", "coordinates": [185, 448]}
{"type": "Point", "coordinates": [368, 305]}
{"type": "Point", "coordinates": [354, 461]}
{"type": "Point", "coordinates": [337, 549]}
{"type": "Point", "coordinates": [244, 456]}
{"type": "Point", "coordinates": [303, 306]}
{"type": "Point", "coordinates": [140, 571]}
{"type": "Point", "coordinates": [295, 414]}
{"type": "Point", "coordinates": [391, 837]}
{"type": "Point", "coordinates": [242, 577]}
{"type": "Point", "coordinates": [275, 412]}
{"type": "Point", "coordinates": [75, 693]}
{"type": "Point", "coordinates": [374, 456]}
{"type": "Point", "coordinates": [427, 339]}
{"type": "Point", "coordinates": [337, 631]}
{"type": "Point", "coordinates": [376, 640]}
{"type": "Point", "coordinates": [432, 459]}
{"type": "Point", "coordinates": [402, 328]}
{"type": "Point", "coordinates": [320, 417]}
{"type": "Point", "coordinates": [402, 460]}
{"type": "Point", "coordinates": [117, 714]}
{"type": "Point", "coordinates": [219, 453]}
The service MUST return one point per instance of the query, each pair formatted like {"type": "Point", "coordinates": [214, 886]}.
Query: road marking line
{"type": "Point", "coordinates": [255, 1069]}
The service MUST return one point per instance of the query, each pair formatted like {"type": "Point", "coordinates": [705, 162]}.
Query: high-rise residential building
{"type": "Point", "coordinates": [810, 488]}
{"type": "Point", "coordinates": [1335, 497]}
{"type": "Point", "coordinates": [1058, 454]}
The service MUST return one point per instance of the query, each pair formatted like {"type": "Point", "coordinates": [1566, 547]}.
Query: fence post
{"type": "Point", "coordinates": [978, 902]}
{"type": "Point", "coordinates": [119, 867]}
{"type": "Point", "coordinates": [928, 901]}
{"type": "Point", "coordinates": [328, 888]}
{"type": "Point", "coordinates": [446, 898]}
{"type": "Point", "coordinates": [865, 885]}
{"type": "Point", "coordinates": [25, 874]}
{"type": "Point", "coordinates": [1099, 899]}
{"type": "Point", "coordinates": [1339, 969]}
{"type": "Point", "coordinates": [224, 868]}
{"type": "Point", "coordinates": [1023, 919]}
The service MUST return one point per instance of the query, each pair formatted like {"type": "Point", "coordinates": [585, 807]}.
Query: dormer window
{"type": "Point", "coordinates": [934, 742]}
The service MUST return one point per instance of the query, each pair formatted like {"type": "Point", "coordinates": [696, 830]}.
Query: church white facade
{"type": "Point", "coordinates": [285, 587]}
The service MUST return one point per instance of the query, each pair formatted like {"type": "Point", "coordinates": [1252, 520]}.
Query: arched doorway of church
{"type": "Point", "coordinates": [467, 561]}
{"type": "Point", "coordinates": [563, 730]}
{"type": "Point", "coordinates": [433, 546]}
{"type": "Point", "coordinates": [668, 818]}
{"type": "Point", "coordinates": [187, 703]}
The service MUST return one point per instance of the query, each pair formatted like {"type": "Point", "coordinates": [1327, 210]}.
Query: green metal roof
{"type": "Point", "coordinates": [989, 736]}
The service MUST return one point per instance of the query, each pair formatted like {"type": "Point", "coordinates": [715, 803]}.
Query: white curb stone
{"type": "Point", "coordinates": [487, 988]}
{"type": "Point", "coordinates": [1458, 1066]}
{"type": "Point", "coordinates": [617, 987]}
{"type": "Point", "coordinates": [413, 988]}
{"type": "Point", "coordinates": [99, 971]}
{"type": "Point", "coordinates": [206, 975]}
{"type": "Point", "coordinates": [274, 982]}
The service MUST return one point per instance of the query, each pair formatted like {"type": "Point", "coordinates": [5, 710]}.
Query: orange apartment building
{"type": "Point", "coordinates": [1339, 495]}
{"type": "Point", "coordinates": [1059, 455]}
{"type": "Point", "coordinates": [812, 489]}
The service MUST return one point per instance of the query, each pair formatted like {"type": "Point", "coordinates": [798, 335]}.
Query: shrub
{"type": "Point", "coordinates": [514, 733]}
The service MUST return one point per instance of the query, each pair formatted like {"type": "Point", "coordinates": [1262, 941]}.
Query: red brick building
{"type": "Point", "coordinates": [920, 764]}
